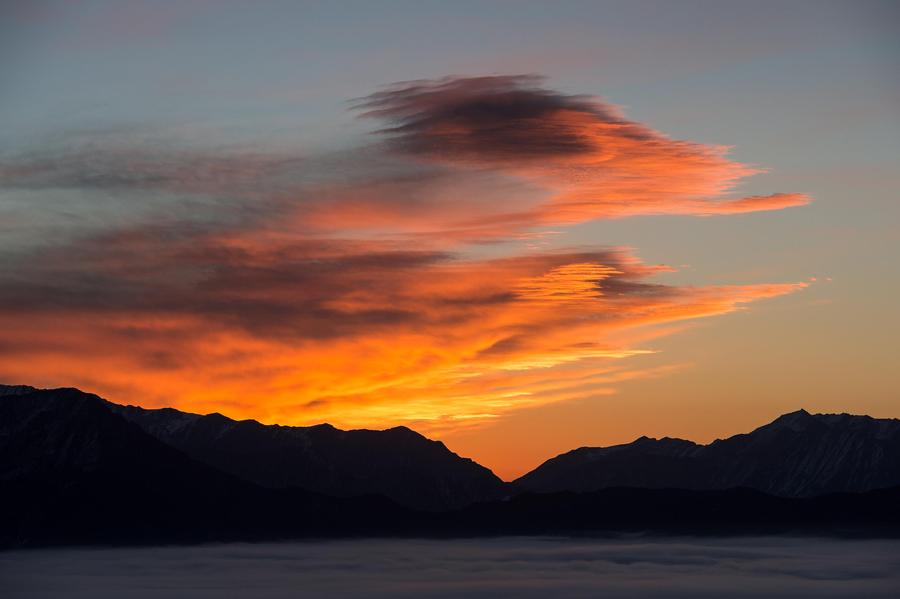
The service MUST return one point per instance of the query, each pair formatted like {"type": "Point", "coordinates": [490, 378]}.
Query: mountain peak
{"type": "Point", "coordinates": [219, 416]}
{"type": "Point", "coordinates": [801, 413]}
{"type": "Point", "coordinates": [798, 420]}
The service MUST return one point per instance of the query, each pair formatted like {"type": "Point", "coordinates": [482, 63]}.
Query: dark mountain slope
{"type": "Point", "coordinates": [647, 463]}
{"type": "Point", "coordinates": [682, 511]}
{"type": "Point", "coordinates": [73, 471]}
{"type": "Point", "coordinates": [397, 463]}
{"type": "Point", "coordinates": [797, 455]}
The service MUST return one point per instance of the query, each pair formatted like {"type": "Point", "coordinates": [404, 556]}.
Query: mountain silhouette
{"type": "Point", "coordinates": [796, 455]}
{"type": "Point", "coordinates": [71, 470]}
{"type": "Point", "coordinates": [397, 463]}
{"type": "Point", "coordinates": [76, 469]}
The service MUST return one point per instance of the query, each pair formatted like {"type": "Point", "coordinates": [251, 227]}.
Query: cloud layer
{"type": "Point", "coordinates": [592, 160]}
{"type": "Point", "coordinates": [356, 286]}
{"type": "Point", "coordinates": [642, 567]}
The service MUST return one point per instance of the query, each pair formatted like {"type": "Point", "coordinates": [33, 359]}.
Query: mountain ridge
{"type": "Point", "coordinates": [397, 462]}
{"type": "Point", "coordinates": [71, 470]}
{"type": "Point", "coordinates": [74, 470]}
{"type": "Point", "coordinates": [798, 454]}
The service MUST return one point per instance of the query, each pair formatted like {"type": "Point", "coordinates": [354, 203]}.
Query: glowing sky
{"type": "Point", "coordinates": [505, 225]}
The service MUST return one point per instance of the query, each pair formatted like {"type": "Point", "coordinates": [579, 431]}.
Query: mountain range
{"type": "Point", "coordinates": [397, 463]}
{"type": "Point", "coordinates": [797, 455]}
{"type": "Point", "coordinates": [75, 468]}
{"type": "Point", "coordinates": [72, 470]}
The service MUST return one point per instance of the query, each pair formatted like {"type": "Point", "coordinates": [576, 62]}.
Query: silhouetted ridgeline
{"type": "Point", "coordinates": [76, 469]}
{"type": "Point", "coordinates": [397, 463]}
{"type": "Point", "coordinates": [797, 455]}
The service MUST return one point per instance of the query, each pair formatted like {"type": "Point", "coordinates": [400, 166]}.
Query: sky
{"type": "Point", "coordinates": [516, 227]}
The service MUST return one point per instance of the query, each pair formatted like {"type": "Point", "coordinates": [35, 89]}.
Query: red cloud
{"type": "Point", "coordinates": [351, 287]}
{"type": "Point", "coordinates": [359, 333]}
{"type": "Point", "coordinates": [591, 160]}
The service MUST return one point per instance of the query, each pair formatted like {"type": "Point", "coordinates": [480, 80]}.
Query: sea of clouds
{"type": "Point", "coordinates": [499, 567]}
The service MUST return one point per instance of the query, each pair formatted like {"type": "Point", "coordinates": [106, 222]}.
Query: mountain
{"type": "Point", "coordinates": [75, 470]}
{"type": "Point", "coordinates": [397, 463]}
{"type": "Point", "coordinates": [71, 470]}
{"type": "Point", "coordinates": [796, 455]}
{"type": "Point", "coordinates": [683, 511]}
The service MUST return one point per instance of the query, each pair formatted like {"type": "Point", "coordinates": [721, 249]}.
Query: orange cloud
{"type": "Point", "coordinates": [354, 334]}
{"type": "Point", "coordinates": [355, 287]}
{"type": "Point", "coordinates": [466, 159]}
{"type": "Point", "coordinates": [591, 160]}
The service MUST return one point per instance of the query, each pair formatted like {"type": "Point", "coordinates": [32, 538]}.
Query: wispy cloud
{"type": "Point", "coordinates": [593, 161]}
{"type": "Point", "coordinates": [396, 334]}
{"type": "Point", "coordinates": [352, 286]}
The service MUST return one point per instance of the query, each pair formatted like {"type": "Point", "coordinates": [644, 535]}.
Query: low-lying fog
{"type": "Point", "coordinates": [499, 567]}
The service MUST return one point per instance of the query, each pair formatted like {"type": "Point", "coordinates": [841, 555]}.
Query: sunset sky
{"type": "Point", "coordinates": [516, 227]}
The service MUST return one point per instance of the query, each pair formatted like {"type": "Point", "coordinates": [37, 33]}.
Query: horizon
{"type": "Point", "coordinates": [511, 229]}
{"type": "Point", "coordinates": [505, 479]}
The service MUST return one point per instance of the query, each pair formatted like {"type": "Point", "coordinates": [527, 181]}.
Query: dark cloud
{"type": "Point", "coordinates": [118, 165]}
{"type": "Point", "coordinates": [594, 162]}
{"type": "Point", "coordinates": [282, 290]}
{"type": "Point", "coordinates": [494, 118]}
{"type": "Point", "coordinates": [288, 288]}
